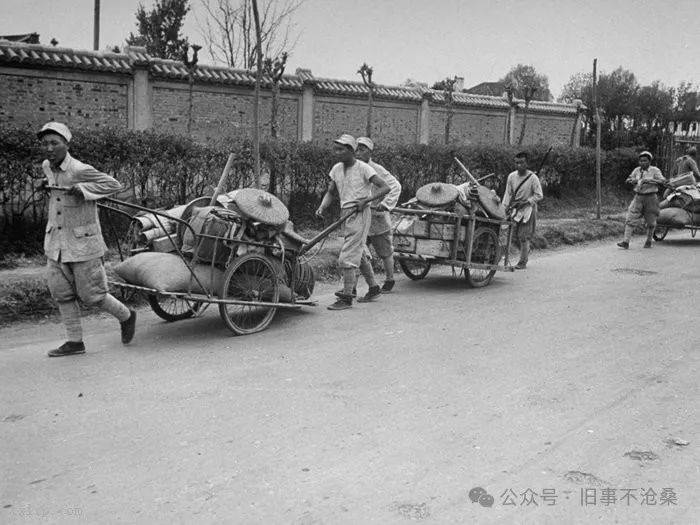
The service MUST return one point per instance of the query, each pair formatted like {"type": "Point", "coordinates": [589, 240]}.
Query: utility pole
{"type": "Point", "coordinates": [96, 27]}
{"type": "Point", "coordinates": [598, 188]}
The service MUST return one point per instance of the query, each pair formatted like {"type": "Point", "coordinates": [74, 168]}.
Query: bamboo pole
{"type": "Point", "coordinates": [598, 184]}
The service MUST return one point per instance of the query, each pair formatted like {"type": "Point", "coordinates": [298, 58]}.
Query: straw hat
{"type": "Point", "coordinates": [437, 194]}
{"type": "Point", "coordinates": [261, 206]}
{"type": "Point", "coordinates": [490, 202]}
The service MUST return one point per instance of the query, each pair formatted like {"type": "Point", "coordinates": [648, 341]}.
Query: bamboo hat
{"type": "Point", "coordinates": [261, 206]}
{"type": "Point", "coordinates": [437, 194]}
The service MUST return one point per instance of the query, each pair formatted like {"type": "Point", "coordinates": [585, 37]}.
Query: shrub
{"type": "Point", "coordinates": [163, 170]}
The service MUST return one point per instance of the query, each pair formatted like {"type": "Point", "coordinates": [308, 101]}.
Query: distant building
{"type": "Point", "coordinates": [492, 89]}
{"type": "Point", "coordinates": [27, 38]}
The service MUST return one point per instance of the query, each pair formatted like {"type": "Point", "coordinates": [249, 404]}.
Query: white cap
{"type": "Point", "coordinates": [55, 127]}
{"type": "Point", "coordinates": [347, 140]}
{"type": "Point", "coordinates": [366, 141]}
{"type": "Point", "coordinates": [646, 154]}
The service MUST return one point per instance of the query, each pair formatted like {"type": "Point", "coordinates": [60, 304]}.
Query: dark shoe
{"type": "Point", "coordinates": [647, 244]}
{"type": "Point", "coordinates": [521, 266]}
{"type": "Point", "coordinates": [388, 286]}
{"type": "Point", "coordinates": [340, 293]}
{"type": "Point", "coordinates": [343, 303]}
{"type": "Point", "coordinates": [68, 348]}
{"type": "Point", "coordinates": [624, 244]}
{"type": "Point", "coordinates": [371, 294]}
{"type": "Point", "coordinates": [128, 328]}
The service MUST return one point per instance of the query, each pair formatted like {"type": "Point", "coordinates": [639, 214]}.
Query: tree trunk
{"type": "Point", "coordinates": [522, 129]}
{"type": "Point", "coordinates": [256, 102]}
{"type": "Point", "coordinates": [369, 112]}
{"type": "Point", "coordinates": [274, 109]}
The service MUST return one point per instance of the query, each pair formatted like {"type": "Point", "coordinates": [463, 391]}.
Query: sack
{"type": "Point", "coordinates": [674, 217]}
{"type": "Point", "coordinates": [167, 272]}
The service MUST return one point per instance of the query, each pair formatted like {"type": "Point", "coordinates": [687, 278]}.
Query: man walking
{"type": "Point", "coordinates": [687, 164]}
{"type": "Point", "coordinates": [73, 242]}
{"type": "Point", "coordinates": [523, 192]}
{"type": "Point", "coordinates": [352, 180]}
{"type": "Point", "coordinates": [380, 235]}
{"type": "Point", "coordinates": [646, 179]}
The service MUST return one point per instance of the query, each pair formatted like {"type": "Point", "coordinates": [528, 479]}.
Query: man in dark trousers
{"type": "Point", "coordinates": [73, 243]}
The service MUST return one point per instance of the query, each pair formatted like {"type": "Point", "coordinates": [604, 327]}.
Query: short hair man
{"type": "Point", "coordinates": [352, 180]}
{"type": "Point", "coordinates": [379, 234]}
{"type": "Point", "coordinates": [523, 192]}
{"type": "Point", "coordinates": [687, 164]}
{"type": "Point", "coordinates": [73, 242]}
{"type": "Point", "coordinates": [646, 179]}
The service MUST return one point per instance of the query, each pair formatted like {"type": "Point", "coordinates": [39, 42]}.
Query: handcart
{"type": "Point", "coordinates": [467, 241]}
{"type": "Point", "coordinates": [682, 209]}
{"type": "Point", "coordinates": [248, 270]}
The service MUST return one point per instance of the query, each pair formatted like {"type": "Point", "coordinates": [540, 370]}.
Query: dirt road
{"type": "Point", "coordinates": [553, 389]}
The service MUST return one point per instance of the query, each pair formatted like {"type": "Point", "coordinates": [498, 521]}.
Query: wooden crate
{"type": "Point", "coordinates": [446, 232]}
{"type": "Point", "coordinates": [433, 247]}
{"type": "Point", "coordinates": [404, 243]}
{"type": "Point", "coordinates": [421, 229]}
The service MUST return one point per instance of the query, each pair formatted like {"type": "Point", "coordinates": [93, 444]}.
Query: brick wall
{"type": "Point", "coordinates": [469, 127]}
{"type": "Point", "coordinates": [391, 122]}
{"type": "Point", "coordinates": [549, 129]}
{"type": "Point", "coordinates": [79, 100]}
{"type": "Point", "coordinates": [220, 113]}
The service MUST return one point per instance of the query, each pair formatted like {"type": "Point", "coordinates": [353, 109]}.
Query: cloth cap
{"type": "Point", "coordinates": [347, 140]}
{"type": "Point", "coordinates": [55, 127]}
{"type": "Point", "coordinates": [366, 141]}
{"type": "Point", "coordinates": [646, 154]}
{"type": "Point", "coordinates": [692, 150]}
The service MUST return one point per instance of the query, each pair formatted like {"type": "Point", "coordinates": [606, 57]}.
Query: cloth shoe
{"type": "Point", "coordinates": [371, 295]}
{"type": "Point", "coordinates": [341, 293]}
{"type": "Point", "coordinates": [388, 286]}
{"type": "Point", "coordinates": [129, 328]}
{"type": "Point", "coordinates": [343, 302]}
{"type": "Point", "coordinates": [624, 244]}
{"type": "Point", "coordinates": [68, 348]}
{"type": "Point", "coordinates": [521, 265]}
{"type": "Point", "coordinates": [647, 244]}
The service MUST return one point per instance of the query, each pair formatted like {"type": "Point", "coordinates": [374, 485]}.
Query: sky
{"type": "Point", "coordinates": [480, 40]}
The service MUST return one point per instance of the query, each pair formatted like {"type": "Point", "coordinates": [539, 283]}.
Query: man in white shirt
{"type": "Point", "coordinates": [352, 180]}
{"type": "Point", "coordinates": [380, 235]}
{"type": "Point", "coordinates": [523, 192]}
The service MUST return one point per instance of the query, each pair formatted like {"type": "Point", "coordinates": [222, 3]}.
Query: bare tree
{"type": "Point", "coordinates": [448, 89]}
{"type": "Point", "coordinates": [229, 29]}
{"type": "Point", "coordinates": [274, 68]}
{"type": "Point", "coordinates": [528, 93]}
{"type": "Point", "coordinates": [365, 72]}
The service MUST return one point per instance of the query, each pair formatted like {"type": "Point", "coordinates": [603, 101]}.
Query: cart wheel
{"type": "Point", "coordinates": [173, 308]}
{"type": "Point", "coordinates": [660, 233]}
{"type": "Point", "coordinates": [251, 277]}
{"type": "Point", "coordinates": [485, 250]}
{"type": "Point", "coordinates": [415, 269]}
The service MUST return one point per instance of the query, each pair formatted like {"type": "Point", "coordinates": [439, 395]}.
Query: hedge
{"type": "Point", "coordinates": [164, 170]}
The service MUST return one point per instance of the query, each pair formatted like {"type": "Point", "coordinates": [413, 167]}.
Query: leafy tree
{"type": "Point", "coordinates": [687, 103]}
{"type": "Point", "coordinates": [413, 83]}
{"type": "Point", "coordinates": [159, 29]}
{"type": "Point", "coordinates": [578, 88]}
{"type": "Point", "coordinates": [617, 95]}
{"type": "Point", "coordinates": [654, 105]}
{"type": "Point", "coordinates": [524, 79]}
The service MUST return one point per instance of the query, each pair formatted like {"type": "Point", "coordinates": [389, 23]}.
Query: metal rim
{"type": "Point", "coordinates": [485, 250]}
{"type": "Point", "coordinates": [415, 269]}
{"type": "Point", "coordinates": [171, 308]}
{"type": "Point", "coordinates": [250, 278]}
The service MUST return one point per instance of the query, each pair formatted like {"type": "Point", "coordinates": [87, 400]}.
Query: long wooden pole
{"type": "Point", "coordinates": [598, 184]}
{"type": "Point", "coordinates": [222, 179]}
{"type": "Point", "coordinates": [256, 102]}
{"type": "Point", "coordinates": [96, 26]}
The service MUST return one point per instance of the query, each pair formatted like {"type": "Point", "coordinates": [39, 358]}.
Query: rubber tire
{"type": "Point", "coordinates": [660, 233]}
{"type": "Point", "coordinates": [269, 315]}
{"type": "Point", "coordinates": [154, 301]}
{"type": "Point", "coordinates": [415, 276]}
{"type": "Point", "coordinates": [471, 278]}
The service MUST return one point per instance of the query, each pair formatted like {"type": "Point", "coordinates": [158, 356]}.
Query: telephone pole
{"type": "Point", "coordinates": [96, 27]}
